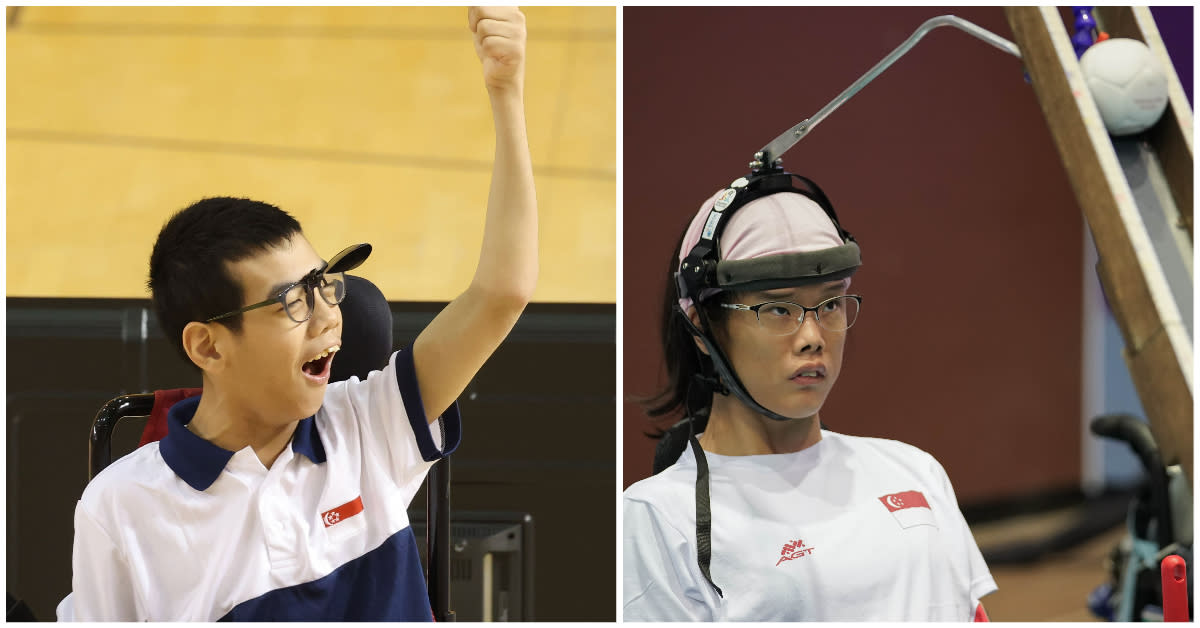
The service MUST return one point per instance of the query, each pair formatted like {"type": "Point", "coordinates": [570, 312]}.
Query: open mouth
{"type": "Point", "coordinates": [809, 376]}
{"type": "Point", "coordinates": [318, 367]}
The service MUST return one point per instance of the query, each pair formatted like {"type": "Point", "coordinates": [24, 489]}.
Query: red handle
{"type": "Point", "coordinates": [1174, 587]}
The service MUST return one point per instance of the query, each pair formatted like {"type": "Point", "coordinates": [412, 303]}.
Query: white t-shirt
{"type": "Point", "coordinates": [182, 530]}
{"type": "Point", "coordinates": [850, 529]}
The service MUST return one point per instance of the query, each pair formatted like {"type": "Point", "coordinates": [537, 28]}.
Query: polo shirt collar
{"type": "Point", "coordinates": [199, 462]}
{"type": "Point", "coordinates": [307, 440]}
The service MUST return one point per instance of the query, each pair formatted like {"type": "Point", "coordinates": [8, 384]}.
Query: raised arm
{"type": "Point", "coordinates": [454, 346]}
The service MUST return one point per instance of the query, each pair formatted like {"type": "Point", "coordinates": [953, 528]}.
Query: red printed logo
{"type": "Point", "coordinates": [910, 508]}
{"type": "Point", "coordinates": [793, 550]}
{"type": "Point", "coordinates": [343, 512]}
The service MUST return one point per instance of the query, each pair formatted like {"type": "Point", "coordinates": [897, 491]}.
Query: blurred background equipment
{"type": "Point", "coordinates": [491, 565]}
{"type": "Point", "coordinates": [369, 124]}
{"type": "Point", "coordinates": [1158, 527]}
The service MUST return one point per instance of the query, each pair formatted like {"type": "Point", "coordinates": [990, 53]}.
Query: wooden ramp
{"type": "Point", "coordinates": [1136, 195]}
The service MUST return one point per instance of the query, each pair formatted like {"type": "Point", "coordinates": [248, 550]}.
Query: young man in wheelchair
{"type": "Point", "coordinates": [277, 495]}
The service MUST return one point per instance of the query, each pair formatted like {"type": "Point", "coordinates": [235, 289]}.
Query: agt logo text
{"type": "Point", "coordinates": [793, 550]}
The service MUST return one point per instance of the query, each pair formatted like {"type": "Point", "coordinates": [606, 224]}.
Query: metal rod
{"type": "Point", "coordinates": [781, 144]}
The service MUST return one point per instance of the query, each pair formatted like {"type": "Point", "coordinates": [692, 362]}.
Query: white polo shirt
{"type": "Point", "coordinates": [850, 529]}
{"type": "Point", "coordinates": [182, 530]}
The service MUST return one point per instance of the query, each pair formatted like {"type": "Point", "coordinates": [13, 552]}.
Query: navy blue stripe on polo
{"type": "Point", "coordinates": [306, 441]}
{"type": "Point", "coordinates": [385, 584]}
{"type": "Point", "coordinates": [199, 462]}
{"type": "Point", "coordinates": [406, 378]}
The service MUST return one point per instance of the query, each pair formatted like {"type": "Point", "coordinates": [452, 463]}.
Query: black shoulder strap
{"type": "Point", "coordinates": [675, 439]}
{"type": "Point", "coordinates": [703, 515]}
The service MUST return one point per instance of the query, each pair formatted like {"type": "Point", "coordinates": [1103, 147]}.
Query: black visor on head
{"type": "Point", "coordinates": [348, 258]}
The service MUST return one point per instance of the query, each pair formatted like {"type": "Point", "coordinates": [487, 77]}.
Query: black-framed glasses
{"type": "Point", "coordinates": [298, 298]}
{"type": "Point", "coordinates": [780, 318]}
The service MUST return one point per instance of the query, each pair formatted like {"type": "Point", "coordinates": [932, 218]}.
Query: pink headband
{"type": "Point", "coordinates": [780, 223]}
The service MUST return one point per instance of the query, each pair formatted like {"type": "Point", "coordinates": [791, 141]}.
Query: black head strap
{"type": "Point", "coordinates": [699, 268]}
{"type": "Point", "coordinates": [698, 271]}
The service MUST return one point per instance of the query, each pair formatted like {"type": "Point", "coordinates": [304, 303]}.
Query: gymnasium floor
{"type": "Point", "coordinates": [1054, 589]}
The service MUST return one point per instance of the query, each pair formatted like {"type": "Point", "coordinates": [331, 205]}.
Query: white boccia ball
{"type": "Point", "coordinates": [1127, 83]}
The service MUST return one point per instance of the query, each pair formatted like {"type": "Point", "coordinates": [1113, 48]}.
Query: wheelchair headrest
{"type": "Point", "coordinates": [366, 331]}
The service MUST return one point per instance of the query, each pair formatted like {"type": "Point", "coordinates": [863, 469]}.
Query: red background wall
{"type": "Point", "coordinates": [968, 345]}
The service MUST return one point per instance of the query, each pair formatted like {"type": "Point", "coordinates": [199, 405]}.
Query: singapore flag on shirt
{"type": "Point", "coordinates": [910, 508]}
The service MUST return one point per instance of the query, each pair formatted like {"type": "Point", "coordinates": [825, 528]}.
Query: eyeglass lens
{"type": "Point", "coordinates": [836, 314]}
{"type": "Point", "coordinates": [298, 300]}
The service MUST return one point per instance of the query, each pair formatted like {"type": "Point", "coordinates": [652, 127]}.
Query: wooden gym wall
{"type": "Point", "coordinates": [369, 124]}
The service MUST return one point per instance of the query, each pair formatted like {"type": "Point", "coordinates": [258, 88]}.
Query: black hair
{"type": "Point", "coordinates": [190, 278]}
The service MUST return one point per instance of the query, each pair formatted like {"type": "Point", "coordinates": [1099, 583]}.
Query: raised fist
{"type": "Point", "coordinates": [500, 44]}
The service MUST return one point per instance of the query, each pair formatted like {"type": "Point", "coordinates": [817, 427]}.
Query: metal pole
{"type": "Point", "coordinates": [781, 144]}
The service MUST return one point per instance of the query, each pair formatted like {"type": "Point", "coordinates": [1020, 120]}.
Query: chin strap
{"type": "Point", "coordinates": [721, 370]}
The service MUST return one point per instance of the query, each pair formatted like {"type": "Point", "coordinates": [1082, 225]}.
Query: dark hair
{"type": "Point", "coordinates": [683, 360]}
{"type": "Point", "coordinates": [189, 273]}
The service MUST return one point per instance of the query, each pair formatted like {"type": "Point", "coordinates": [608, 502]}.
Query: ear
{"type": "Point", "coordinates": [694, 316]}
{"type": "Point", "coordinates": [200, 343]}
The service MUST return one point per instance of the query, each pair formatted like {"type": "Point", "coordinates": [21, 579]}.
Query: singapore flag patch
{"type": "Point", "coordinates": [910, 508]}
{"type": "Point", "coordinates": [341, 513]}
